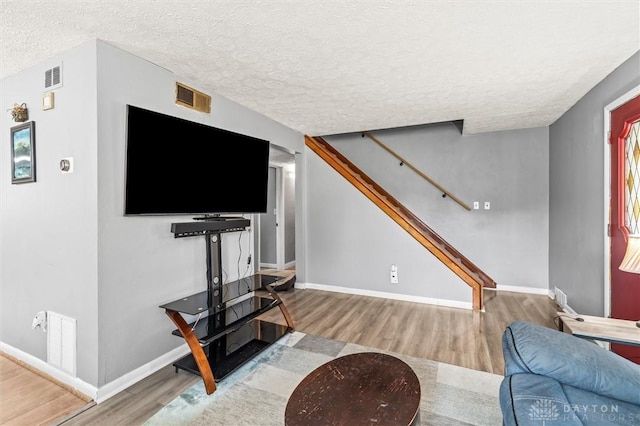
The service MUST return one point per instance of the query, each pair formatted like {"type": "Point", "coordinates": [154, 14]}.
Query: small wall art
{"type": "Point", "coordinates": [23, 153]}
{"type": "Point", "coordinates": [19, 113]}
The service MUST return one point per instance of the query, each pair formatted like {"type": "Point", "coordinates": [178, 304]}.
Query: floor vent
{"type": "Point", "coordinates": [53, 77]}
{"type": "Point", "coordinates": [191, 98]}
{"type": "Point", "coordinates": [61, 342]}
{"type": "Point", "coordinates": [561, 297]}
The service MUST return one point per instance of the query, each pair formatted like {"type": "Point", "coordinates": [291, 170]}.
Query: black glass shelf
{"type": "Point", "coordinates": [233, 351]}
{"type": "Point", "coordinates": [220, 323]}
{"type": "Point", "coordinates": [210, 303]}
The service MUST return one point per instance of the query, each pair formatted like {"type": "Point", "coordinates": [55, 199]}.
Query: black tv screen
{"type": "Point", "coordinates": [176, 166]}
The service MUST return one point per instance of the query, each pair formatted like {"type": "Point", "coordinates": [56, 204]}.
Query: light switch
{"type": "Point", "coordinates": [47, 101]}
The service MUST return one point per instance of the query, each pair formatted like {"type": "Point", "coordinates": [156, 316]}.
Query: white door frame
{"type": "Point", "coordinates": [607, 193]}
{"type": "Point", "coordinates": [279, 216]}
{"type": "Point", "coordinates": [279, 201]}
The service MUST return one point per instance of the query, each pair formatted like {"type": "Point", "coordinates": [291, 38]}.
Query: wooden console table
{"type": "Point", "coordinates": [598, 328]}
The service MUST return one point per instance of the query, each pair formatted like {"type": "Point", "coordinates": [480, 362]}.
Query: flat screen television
{"type": "Point", "coordinates": [176, 166]}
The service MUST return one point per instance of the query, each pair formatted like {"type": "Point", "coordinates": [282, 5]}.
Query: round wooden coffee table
{"type": "Point", "coordinates": [363, 388]}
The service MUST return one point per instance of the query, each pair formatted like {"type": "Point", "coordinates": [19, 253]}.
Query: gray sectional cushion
{"type": "Point", "coordinates": [596, 410]}
{"type": "Point", "coordinates": [530, 400]}
{"type": "Point", "coordinates": [530, 348]}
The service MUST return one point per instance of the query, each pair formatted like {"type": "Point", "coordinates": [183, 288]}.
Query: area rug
{"type": "Point", "coordinates": [257, 393]}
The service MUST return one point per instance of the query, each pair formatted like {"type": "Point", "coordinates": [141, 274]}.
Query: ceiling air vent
{"type": "Point", "coordinates": [53, 77]}
{"type": "Point", "coordinates": [191, 98]}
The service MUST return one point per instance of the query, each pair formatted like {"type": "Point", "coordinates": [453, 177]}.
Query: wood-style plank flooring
{"type": "Point", "coordinates": [455, 336]}
{"type": "Point", "coordinates": [27, 398]}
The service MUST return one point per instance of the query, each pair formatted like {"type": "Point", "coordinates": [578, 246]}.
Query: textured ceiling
{"type": "Point", "coordinates": [327, 67]}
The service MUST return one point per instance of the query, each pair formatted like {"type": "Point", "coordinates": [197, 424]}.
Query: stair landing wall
{"type": "Point", "coordinates": [509, 242]}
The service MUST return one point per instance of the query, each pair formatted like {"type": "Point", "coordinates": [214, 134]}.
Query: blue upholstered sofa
{"type": "Point", "coordinates": [553, 378]}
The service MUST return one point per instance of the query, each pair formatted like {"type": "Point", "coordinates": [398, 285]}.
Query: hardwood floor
{"type": "Point", "coordinates": [455, 336]}
{"type": "Point", "coordinates": [27, 398]}
{"type": "Point", "coordinates": [138, 403]}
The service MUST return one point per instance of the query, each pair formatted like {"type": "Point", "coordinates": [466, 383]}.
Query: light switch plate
{"type": "Point", "coordinates": [47, 101]}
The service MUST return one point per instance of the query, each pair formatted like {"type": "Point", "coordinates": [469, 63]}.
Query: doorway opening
{"type": "Point", "coordinates": [276, 246]}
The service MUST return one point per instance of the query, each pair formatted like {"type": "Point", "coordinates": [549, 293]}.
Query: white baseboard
{"type": "Point", "coordinates": [386, 295]}
{"type": "Point", "coordinates": [133, 377]}
{"type": "Point", "coordinates": [110, 389]}
{"type": "Point", "coordinates": [274, 266]}
{"type": "Point", "coordinates": [565, 308]}
{"type": "Point", "coordinates": [59, 375]}
{"type": "Point", "coordinates": [568, 309]}
{"type": "Point", "coordinates": [518, 289]}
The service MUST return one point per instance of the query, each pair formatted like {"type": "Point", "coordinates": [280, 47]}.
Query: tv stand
{"type": "Point", "coordinates": [217, 217]}
{"type": "Point", "coordinates": [209, 227]}
{"type": "Point", "coordinates": [228, 330]}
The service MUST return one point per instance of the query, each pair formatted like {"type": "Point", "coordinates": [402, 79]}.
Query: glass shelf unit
{"type": "Point", "coordinates": [226, 332]}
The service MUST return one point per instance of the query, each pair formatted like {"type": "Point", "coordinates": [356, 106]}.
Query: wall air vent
{"type": "Point", "coordinates": [191, 98]}
{"type": "Point", "coordinates": [53, 78]}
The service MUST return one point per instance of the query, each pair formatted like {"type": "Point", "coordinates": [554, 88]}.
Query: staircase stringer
{"type": "Point", "coordinates": [396, 211]}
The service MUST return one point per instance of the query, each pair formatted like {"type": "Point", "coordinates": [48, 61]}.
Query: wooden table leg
{"type": "Point", "coordinates": [198, 353]}
{"type": "Point", "coordinates": [283, 308]}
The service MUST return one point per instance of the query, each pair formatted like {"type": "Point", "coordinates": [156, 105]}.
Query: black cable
{"type": "Point", "coordinates": [238, 263]}
{"type": "Point", "coordinates": [240, 254]}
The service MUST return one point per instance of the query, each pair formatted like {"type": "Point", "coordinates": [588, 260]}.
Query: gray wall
{"type": "Point", "coordinates": [141, 264]}
{"type": "Point", "coordinates": [289, 178]}
{"type": "Point", "coordinates": [49, 228]}
{"type": "Point", "coordinates": [351, 243]}
{"type": "Point", "coordinates": [301, 220]}
{"type": "Point", "coordinates": [268, 228]}
{"type": "Point", "coordinates": [268, 224]}
{"type": "Point", "coordinates": [576, 211]}
{"type": "Point", "coordinates": [509, 242]}
{"type": "Point", "coordinates": [66, 245]}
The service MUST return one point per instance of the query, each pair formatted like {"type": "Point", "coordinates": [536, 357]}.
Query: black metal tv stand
{"type": "Point", "coordinates": [227, 332]}
{"type": "Point", "coordinates": [217, 217]}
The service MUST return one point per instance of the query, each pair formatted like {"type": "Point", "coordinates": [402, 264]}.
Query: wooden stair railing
{"type": "Point", "coordinates": [438, 246]}
{"type": "Point", "coordinates": [403, 162]}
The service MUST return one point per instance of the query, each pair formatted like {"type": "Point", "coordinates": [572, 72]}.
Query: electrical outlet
{"type": "Point", "coordinates": [487, 205]}
{"type": "Point", "coordinates": [476, 205]}
{"type": "Point", "coordinates": [393, 274]}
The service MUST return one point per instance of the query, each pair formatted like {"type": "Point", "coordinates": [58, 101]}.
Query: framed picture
{"type": "Point", "coordinates": [23, 153]}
